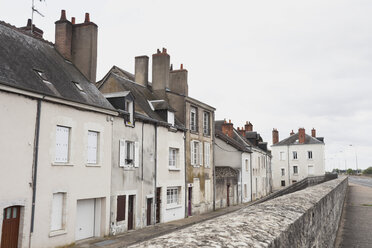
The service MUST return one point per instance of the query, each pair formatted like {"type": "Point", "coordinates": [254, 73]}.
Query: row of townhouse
{"type": "Point", "coordinates": [83, 159]}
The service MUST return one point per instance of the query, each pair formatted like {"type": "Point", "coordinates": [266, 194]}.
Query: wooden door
{"type": "Point", "coordinates": [158, 204]}
{"type": "Point", "coordinates": [10, 230]}
{"type": "Point", "coordinates": [228, 195]}
{"type": "Point", "coordinates": [149, 207]}
{"type": "Point", "coordinates": [130, 212]}
{"type": "Point", "coordinates": [190, 202]}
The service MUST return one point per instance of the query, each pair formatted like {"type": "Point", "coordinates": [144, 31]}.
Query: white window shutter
{"type": "Point", "coordinates": [207, 154]}
{"type": "Point", "coordinates": [136, 154]}
{"type": "Point", "coordinates": [62, 144]}
{"type": "Point", "coordinates": [192, 145]}
{"type": "Point", "coordinates": [200, 153]}
{"type": "Point", "coordinates": [92, 147]}
{"type": "Point", "coordinates": [57, 212]}
{"type": "Point", "coordinates": [122, 153]}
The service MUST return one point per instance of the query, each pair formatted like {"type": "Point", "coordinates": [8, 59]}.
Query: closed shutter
{"type": "Point", "coordinates": [62, 143]}
{"type": "Point", "coordinates": [57, 212]}
{"type": "Point", "coordinates": [207, 152]}
{"type": "Point", "coordinates": [136, 154]}
{"type": "Point", "coordinates": [120, 208]}
{"type": "Point", "coordinates": [207, 190]}
{"type": "Point", "coordinates": [92, 147]}
{"type": "Point", "coordinates": [122, 153]}
{"type": "Point", "coordinates": [192, 148]}
{"type": "Point", "coordinates": [200, 153]}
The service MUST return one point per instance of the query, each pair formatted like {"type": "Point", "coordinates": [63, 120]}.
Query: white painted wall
{"type": "Point", "coordinates": [302, 162]}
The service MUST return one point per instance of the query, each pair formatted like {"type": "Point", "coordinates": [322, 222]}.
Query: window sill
{"type": "Point", "coordinates": [57, 233]}
{"type": "Point", "coordinates": [61, 164]}
{"type": "Point", "coordinates": [173, 207]}
{"type": "Point", "coordinates": [174, 169]}
{"type": "Point", "coordinates": [206, 135]}
{"type": "Point", "coordinates": [194, 132]}
{"type": "Point", "coordinates": [92, 165]}
{"type": "Point", "coordinates": [129, 168]}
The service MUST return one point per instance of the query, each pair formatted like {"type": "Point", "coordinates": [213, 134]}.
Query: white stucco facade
{"type": "Point", "coordinates": [261, 183]}
{"type": "Point", "coordinates": [284, 162]}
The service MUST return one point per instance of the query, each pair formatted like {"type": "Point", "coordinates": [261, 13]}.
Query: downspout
{"type": "Point", "coordinates": [142, 152]}
{"type": "Point", "coordinates": [156, 165]}
{"type": "Point", "coordinates": [250, 163]}
{"type": "Point", "coordinates": [289, 169]}
{"type": "Point", "coordinates": [143, 204]}
{"type": "Point", "coordinates": [184, 162]}
{"type": "Point", "coordinates": [241, 181]}
{"type": "Point", "coordinates": [214, 167]}
{"type": "Point", "coordinates": [35, 163]}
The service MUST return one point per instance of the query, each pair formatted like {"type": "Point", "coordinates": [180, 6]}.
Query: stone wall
{"type": "Point", "coordinates": [306, 218]}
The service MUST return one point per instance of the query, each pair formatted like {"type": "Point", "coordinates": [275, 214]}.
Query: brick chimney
{"type": "Point", "coordinates": [248, 126]}
{"type": "Point", "coordinates": [313, 133]}
{"type": "Point", "coordinates": [301, 135]}
{"type": "Point", "coordinates": [291, 133]}
{"type": "Point", "coordinates": [178, 81]}
{"type": "Point", "coordinates": [37, 32]}
{"type": "Point", "coordinates": [78, 44]}
{"type": "Point", "coordinates": [160, 70]}
{"type": "Point", "coordinates": [275, 136]}
{"type": "Point", "coordinates": [241, 131]}
{"type": "Point", "coordinates": [141, 68]}
{"type": "Point", "coordinates": [227, 128]}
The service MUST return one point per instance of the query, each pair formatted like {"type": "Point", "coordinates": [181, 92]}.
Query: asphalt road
{"type": "Point", "coordinates": [364, 181]}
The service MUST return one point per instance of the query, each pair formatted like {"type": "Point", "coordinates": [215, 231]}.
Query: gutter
{"type": "Point", "coordinates": [35, 164]}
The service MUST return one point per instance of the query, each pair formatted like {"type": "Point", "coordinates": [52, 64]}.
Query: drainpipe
{"type": "Point", "coordinates": [250, 163]}
{"type": "Point", "coordinates": [184, 162]}
{"type": "Point", "coordinates": [143, 204]}
{"type": "Point", "coordinates": [214, 167]}
{"type": "Point", "coordinates": [289, 169]}
{"type": "Point", "coordinates": [35, 163]}
{"type": "Point", "coordinates": [156, 165]}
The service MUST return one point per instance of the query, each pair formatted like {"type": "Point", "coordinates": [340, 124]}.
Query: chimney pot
{"type": "Point", "coordinates": [164, 50]}
{"type": "Point", "coordinates": [73, 20]}
{"type": "Point", "coordinates": [181, 67]}
{"type": "Point", "coordinates": [157, 51]}
{"type": "Point", "coordinates": [291, 133]}
{"type": "Point", "coordinates": [28, 23]}
{"type": "Point", "coordinates": [87, 18]}
{"type": "Point", "coordinates": [63, 15]}
{"type": "Point", "coordinates": [228, 128]}
{"type": "Point", "coordinates": [248, 126]}
{"type": "Point", "coordinates": [229, 121]}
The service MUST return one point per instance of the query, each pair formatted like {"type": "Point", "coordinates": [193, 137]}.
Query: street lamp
{"type": "Point", "coordinates": [356, 158]}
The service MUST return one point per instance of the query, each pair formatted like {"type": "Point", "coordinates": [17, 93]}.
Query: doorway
{"type": "Point", "coordinates": [158, 204]}
{"type": "Point", "coordinates": [130, 212]}
{"type": "Point", "coordinates": [228, 195]}
{"type": "Point", "coordinates": [149, 207]}
{"type": "Point", "coordinates": [190, 202]}
{"type": "Point", "coordinates": [10, 230]}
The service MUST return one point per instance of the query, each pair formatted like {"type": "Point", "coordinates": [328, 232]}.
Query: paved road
{"type": "Point", "coordinates": [355, 227]}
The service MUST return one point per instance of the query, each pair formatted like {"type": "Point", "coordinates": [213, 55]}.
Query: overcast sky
{"type": "Point", "coordinates": [279, 64]}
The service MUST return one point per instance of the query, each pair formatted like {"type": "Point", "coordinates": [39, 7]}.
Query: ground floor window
{"type": "Point", "coordinates": [283, 183]}
{"type": "Point", "coordinates": [120, 208]}
{"type": "Point", "coordinates": [173, 196]}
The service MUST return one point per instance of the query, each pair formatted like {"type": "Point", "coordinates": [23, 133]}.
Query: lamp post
{"type": "Point", "coordinates": [356, 158]}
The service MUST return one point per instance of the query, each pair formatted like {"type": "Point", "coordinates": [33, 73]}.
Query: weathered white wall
{"type": "Point", "coordinates": [260, 179]}
{"type": "Point", "coordinates": [302, 162]}
{"type": "Point", "coordinates": [246, 178]}
{"type": "Point", "coordinates": [17, 129]}
{"type": "Point", "coordinates": [167, 177]}
{"type": "Point", "coordinates": [76, 178]}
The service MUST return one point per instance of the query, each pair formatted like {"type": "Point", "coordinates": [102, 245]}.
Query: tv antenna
{"type": "Point", "coordinates": [32, 13]}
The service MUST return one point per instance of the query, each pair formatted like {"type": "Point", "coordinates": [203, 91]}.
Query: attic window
{"type": "Point", "coordinates": [78, 86]}
{"type": "Point", "coordinates": [42, 76]}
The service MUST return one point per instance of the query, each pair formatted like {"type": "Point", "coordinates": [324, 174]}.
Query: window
{"type": "Point", "coordinates": [120, 207]}
{"type": "Point", "coordinates": [208, 190]}
{"type": "Point", "coordinates": [310, 170]}
{"type": "Point", "coordinates": [283, 172]}
{"type": "Point", "coordinates": [196, 153]}
{"type": "Point", "coordinates": [57, 211]}
{"type": "Point", "coordinates": [206, 123]}
{"type": "Point", "coordinates": [283, 183]}
{"type": "Point", "coordinates": [295, 169]}
{"type": "Point", "coordinates": [172, 196]}
{"type": "Point", "coordinates": [246, 165]}
{"type": "Point", "coordinates": [130, 109]}
{"type": "Point", "coordinates": [294, 181]}
{"type": "Point", "coordinates": [92, 147]}
{"type": "Point", "coordinates": [207, 154]}
{"type": "Point", "coordinates": [171, 118]}
{"type": "Point", "coordinates": [282, 155]}
{"type": "Point", "coordinates": [294, 155]}
{"type": "Point", "coordinates": [173, 154]}
{"type": "Point", "coordinates": [62, 144]}
{"type": "Point", "coordinates": [245, 191]}
{"type": "Point", "coordinates": [128, 153]}
{"type": "Point", "coordinates": [310, 155]}
{"type": "Point", "coordinates": [193, 119]}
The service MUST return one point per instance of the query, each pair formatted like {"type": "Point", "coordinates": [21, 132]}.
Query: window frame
{"type": "Point", "coordinates": [282, 158]}
{"type": "Point", "coordinates": [282, 183]}
{"type": "Point", "coordinates": [295, 169]}
{"type": "Point", "coordinates": [206, 123]}
{"type": "Point", "coordinates": [129, 107]}
{"type": "Point", "coordinates": [309, 155]}
{"type": "Point", "coordinates": [294, 155]}
{"type": "Point", "coordinates": [96, 162]}
{"type": "Point", "coordinates": [68, 150]}
{"type": "Point", "coordinates": [193, 126]}
{"type": "Point", "coordinates": [174, 159]}
{"type": "Point", "coordinates": [173, 196]}
{"type": "Point", "coordinates": [282, 172]}
{"type": "Point", "coordinates": [62, 212]}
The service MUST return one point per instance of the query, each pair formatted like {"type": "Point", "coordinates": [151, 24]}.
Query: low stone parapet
{"type": "Point", "coordinates": [306, 218]}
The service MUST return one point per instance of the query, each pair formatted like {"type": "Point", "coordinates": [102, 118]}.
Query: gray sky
{"type": "Point", "coordinates": [283, 64]}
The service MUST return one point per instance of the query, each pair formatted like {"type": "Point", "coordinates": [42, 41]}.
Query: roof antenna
{"type": "Point", "coordinates": [32, 14]}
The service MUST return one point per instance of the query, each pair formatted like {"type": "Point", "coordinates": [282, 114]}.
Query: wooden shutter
{"type": "Point", "coordinates": [92, 147]}
{"type": "Point", "coordinates": [136, 154]}
{"type": "Point", "coordinates": [62, 144]}
{"type": "Point", "coordinates": [192, 147]}
{"type": "Point", "coordinates": [121, 153]}
{"type": "Point", "coordinates": [120, 208]}
{"type": "Point", "coordinates": [200, 153]}
{"type": "Point", "coordinates": [207, 149]}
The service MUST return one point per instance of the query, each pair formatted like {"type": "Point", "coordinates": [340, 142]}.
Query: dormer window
{"type": "Point", "coordinates": [123, 101]}
{"type": "Point", "coordinates": [170, 116]}
{"type": "Point", "coordinates": [129, 108]}
{"type": "Point", "coordinates": [78, 86]}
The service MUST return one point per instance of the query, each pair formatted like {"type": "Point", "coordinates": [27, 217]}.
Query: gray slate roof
{"type": "Point", "coordinates": [233, 141]}
{"type": "Point", "coordinates": [293, 140]}
{"type": "Point", "coordinates": [21, 54]}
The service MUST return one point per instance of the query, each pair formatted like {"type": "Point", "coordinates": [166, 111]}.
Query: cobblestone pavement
{"type": "Point", "coordinates": [356, 228]}
{"type": "Point", "coordinates": [136, 236]}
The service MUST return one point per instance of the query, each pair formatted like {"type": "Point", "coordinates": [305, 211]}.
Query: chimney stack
{"type": "Point", "coordinates": [37, 32]}
{"type": "Point", "coordinates": [248, 127]}
{"type": "Point", "coordinates": [301, 135]}
{"type": "Point", "coordinates": [241, 131]}
{"type": "Point", "coordinates": [78, 44]}
{"type": "Point", "coordinates": [178, 81]}
{"type": "Point", "coordinates": [313, 133]}
{"type": "Point", "coordinates": [275, 136]}
{"type": "Point", "coordinates": [291, 133]}
{"type": "Point", "coordinates": [227, 128]}
{"type": "Point", "coordinates": [141, 70]}
{"type": "Point", "coordinates": [160, 70]}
